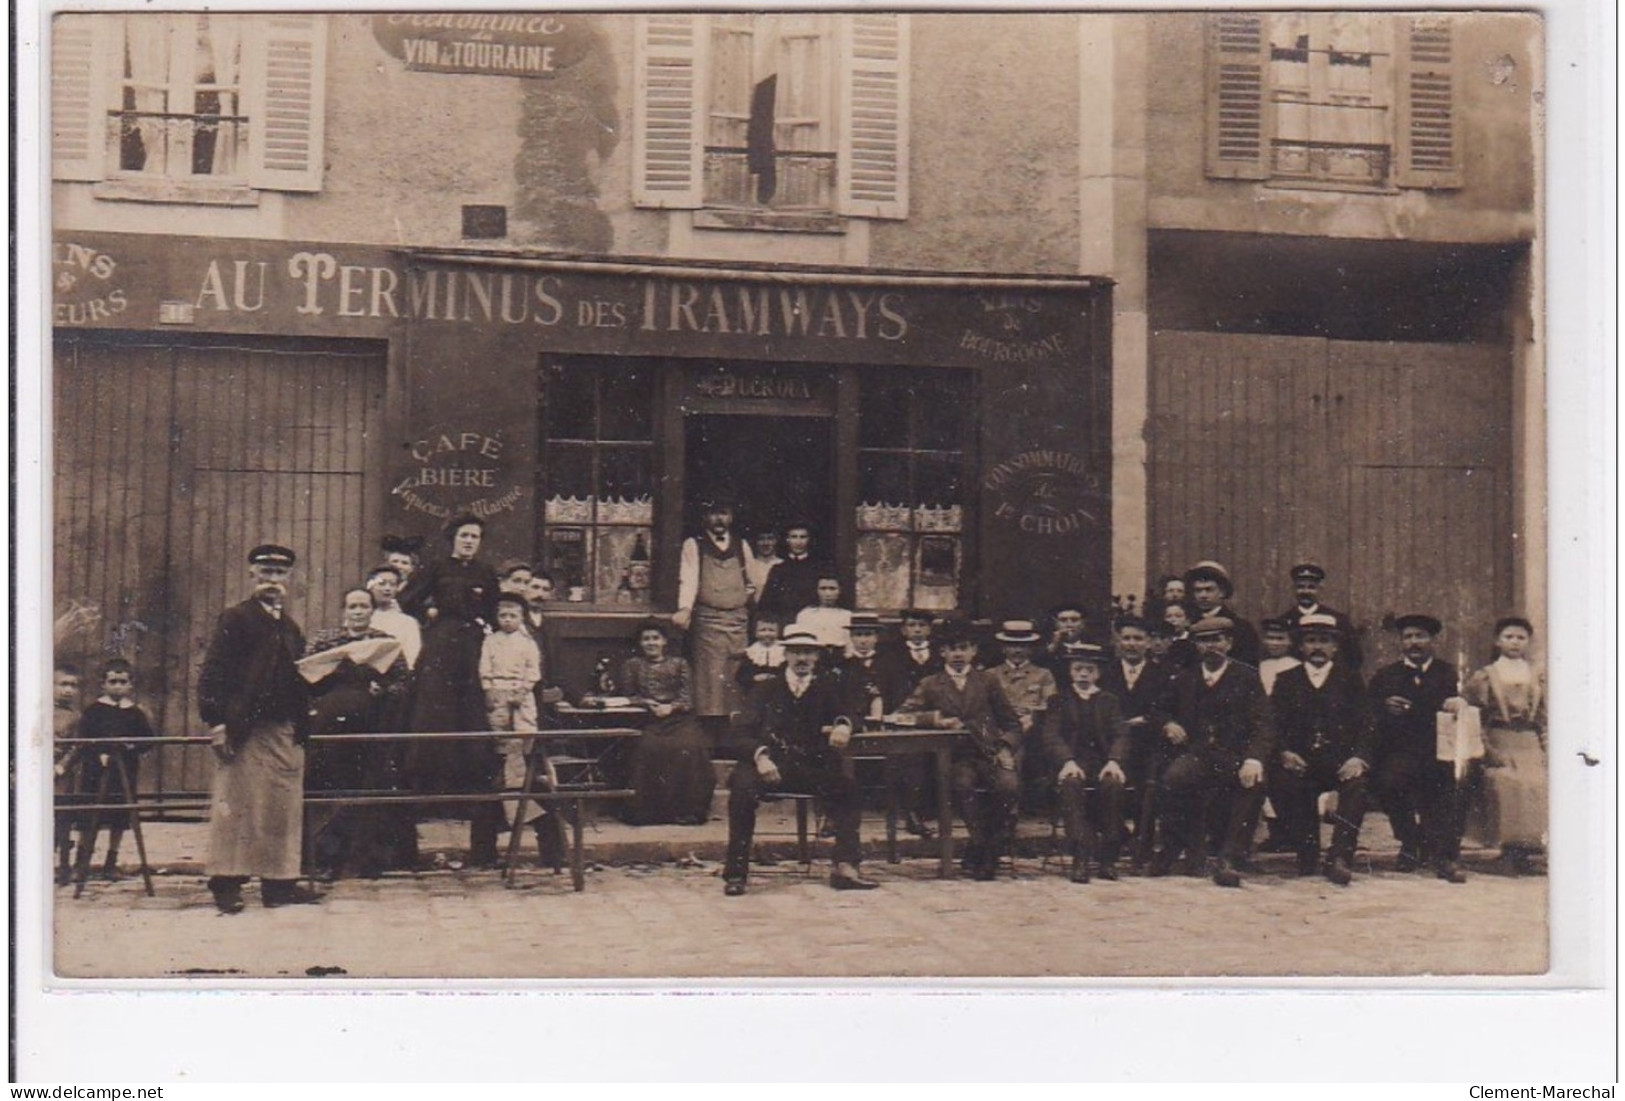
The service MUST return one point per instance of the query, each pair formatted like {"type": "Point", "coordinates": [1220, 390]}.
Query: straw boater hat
{"type": "Point", "coordinates": [800, 638]}
{"type": "Point", "coordinates": [864, 621]}
{"type": "Point", "coordinates": [1018, 632]}
{"type": "Point", "coordinates": [1319, 623]}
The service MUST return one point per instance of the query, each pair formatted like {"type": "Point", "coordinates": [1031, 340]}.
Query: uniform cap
{"type": "Point", "coordinates": [1308, 571]}
{"type": "Point", "coordinates": [270, 554]}
{"type": "Point", "coordinates": [1419, 619]}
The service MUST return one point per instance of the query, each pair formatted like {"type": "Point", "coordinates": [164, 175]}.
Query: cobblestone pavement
{"type": "Point", "coordinates": [652, 921]}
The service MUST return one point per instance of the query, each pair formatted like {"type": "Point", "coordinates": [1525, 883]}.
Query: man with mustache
{"type": "Point", "coordinates": [257, 707]}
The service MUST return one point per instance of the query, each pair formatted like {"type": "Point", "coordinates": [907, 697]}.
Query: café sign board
{"type": "Point", "coordinates": [525, 44]}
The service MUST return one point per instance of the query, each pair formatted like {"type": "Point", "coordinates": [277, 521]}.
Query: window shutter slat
{"type": "Point", "coordinates": [284, 90]}
{"type": "Point", "coordinates": [1429, 155]}
{"type": "Point", "coordinates": [872, 162]}
{"type": "Point", "coordinates": [1238, 106]}
{"type": "Point", "coordinates": [667, 126]}
{"type": "Point", "coordinates": [79, 99]}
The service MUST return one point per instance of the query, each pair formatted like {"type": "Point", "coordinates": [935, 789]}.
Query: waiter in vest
{"type": "Point", "coordinates": [713, 594]}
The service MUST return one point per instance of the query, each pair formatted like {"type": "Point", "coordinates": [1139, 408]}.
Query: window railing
{"type": "Point", "coordinates": [804, 181]}
{"type": "Point", "coordinates": [160, 143]}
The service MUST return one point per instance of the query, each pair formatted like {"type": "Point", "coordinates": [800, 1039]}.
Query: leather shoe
{"type": "Point", "coordinates": [1079, 872]}
{"type": "Point", "coordinates": [847, 878]}
{"type": "Point", "coordinates": [984, 873]}
{"type": "Point", "coordinates": [919, 829]}
{"type": "Point", "coordinates": [1308, 863]}
{"type": "Point", "coordinates": [1407, 862]}
{"type": "Point", "coordinates": [1339, 872]}
{"type": "Point", "coordinates": [291, 896]}
{"type": "Point", "coordinates": [733, 888]}
{"type": "Point", "coordinates": [229, 904]}
{"type": "Point", "coordinates": [1108, 872]}
{"type": "Point", "coordinates": [1450, 872]}
{"type": "Point", "coordinates": [1225, 875]}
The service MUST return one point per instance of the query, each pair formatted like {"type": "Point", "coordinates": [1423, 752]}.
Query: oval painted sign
{"type": "Point", "coordinates": [527, 44]}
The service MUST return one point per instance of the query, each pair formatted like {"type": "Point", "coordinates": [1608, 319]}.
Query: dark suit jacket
{"type": "Point", "coordinates": [786, 726]}
{"type": "Point", "coordinates": [791, 585]}
{"type": "Point", "coordinates": [248, 673]}
{"type": "Point", "coordinates": [1226, 724]}
{"type": "Point", "coordinates": [981, 707]}
{"type": "Point", "coordinates": [1150, 686]}
{"type": "Point", "coordinates": [862, 683]}
{"type": "Point", "coordinates": [1413, 734]}
{"type": "Point", "coordinates": [900, 674]}
{"type": "Point", "coordinates": [1090, 731]}
{"type": "Point", "coordinates": [1348, 649]}
{"type": "Point", "coordinates": [1245, 645]}
{"type": "Point", "coordinates": [1331, 723]}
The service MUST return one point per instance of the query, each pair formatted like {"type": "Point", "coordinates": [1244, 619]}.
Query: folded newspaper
{"type": "Point", "coordinates": [1460, 737]}
{"type": "Point", "coordinates": [380, 653]}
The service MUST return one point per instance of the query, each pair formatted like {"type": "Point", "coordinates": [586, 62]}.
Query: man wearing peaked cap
{"type": "Point", "coordinates": [1029, 687]}
{"type": "Point", "coordinates": [257, 707]}
{"type": "Point", "coordinates": [1419, 793]}
{"type": "Point", "coordinates": [1307, 579]}
{"type": "Point", "coordinates": [792, 737]}
{"type": "Point", "coordinates": [1210, 591]}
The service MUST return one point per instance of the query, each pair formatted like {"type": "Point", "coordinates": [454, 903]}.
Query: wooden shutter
{"type": "Point", "coordinates": [1238, 106]}
{"type": "Point", "coordinates": [79, 95]}
{"type": "Point", "coordinates": [1427, 140]}
{"type": "Point", "coordinates": [872, 157]}
{"type": "Point", "coordinates": [284, 92]}
{"type": "Point", "coordinates": [668, 133]}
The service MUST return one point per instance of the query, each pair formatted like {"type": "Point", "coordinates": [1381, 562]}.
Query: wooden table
{"type": "Point", "coordinates": [902, 742]}
{"type": "Point", "coordinates": [580, 773]}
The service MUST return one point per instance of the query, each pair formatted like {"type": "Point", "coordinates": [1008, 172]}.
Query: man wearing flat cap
{"type": "Point", "coordinates": [1210, 591]}
{"type": "Point", "coordinates": [713, 597]}
{"type": "Point", "coordinates": [1323, 731]}
{"type": "Point", "coordinates": [1216, 723]}
{"type": "Point", "coordinates": [1420, 794]}
{"type": "Point", "coordinates": [792, 736]}
{"type": "Point", "coordinates": [1307, 578]}
{"type": "Point", "coordinates": [257, 707]}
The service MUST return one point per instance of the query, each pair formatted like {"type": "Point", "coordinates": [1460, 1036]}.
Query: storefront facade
{"type": "Point", "coordinates": [580, 406]}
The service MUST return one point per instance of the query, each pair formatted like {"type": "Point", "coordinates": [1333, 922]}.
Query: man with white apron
{"type": "Point", "coordinates": [713, 597]}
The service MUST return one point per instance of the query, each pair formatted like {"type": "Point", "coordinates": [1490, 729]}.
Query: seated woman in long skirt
{"type": "Point", "coordinates": [671, 763]}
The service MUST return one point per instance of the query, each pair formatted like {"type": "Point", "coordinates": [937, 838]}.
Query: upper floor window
{"type": "Point", "coordinates": [1332, 99]}
{"type": "Point", "coordinates": [193, 107]}
{"type": "Point", "coordinates": [775, 120]}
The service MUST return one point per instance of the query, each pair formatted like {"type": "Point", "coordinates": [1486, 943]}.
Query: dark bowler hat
{"type": "Point", "coordinates": [1018, 632]}
{"type": "Point", "coordinates": [1418, 619]}
{"type": "Point", "coordinates": [921, 615]}
{"type": "Point", "coordinates": [1209, 570]}
{"type": "Point", "coordinates": [955, 631]}
{"type": "Point", "coordinates": [269, 554]}
{"type": "Point", "coordinates": [717, 497]}
{"type": "Point", "coordinates": [1308, 571]}
{"type": "Point", "coordinates": [1319, 622]}
{"type": "Point", "coordinates": [864, 621]}
{"type": "Point", "coordinates": [1084, 651]}
{"type": "Point", "coordinates": [1276, 625]}
{"type": "Point", "coordinates": [400, 544]}
{"type": "Point", "coordinates": [800, 638]}
{"type": "Point", "coordinates": [1213, 625]}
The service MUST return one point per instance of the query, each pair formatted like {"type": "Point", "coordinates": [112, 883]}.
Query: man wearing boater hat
{"type": "Point", "coordinates": [1307, 579]}
{"type": "Point", "coordinates": [791, 736]}
{"type": "Point", "coordinates": [1420, 793]}
{"type": "Point", "coordinates": [1323, 730]}
{"type": "Point", "coordinates": [1216, 725]}
{"type": "Point", "coordinates": [1211, 590]}
{"type": "Point", "coordinates": [713, 594]}
{"type": "Point", "coordinates": [257, 707]}
{"type": "Point", "coordinates": [1029, 687]}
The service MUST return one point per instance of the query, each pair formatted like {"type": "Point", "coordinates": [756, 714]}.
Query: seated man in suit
{"type": "Point", "coordinates": [1087, 741]}
{"type": "Point", "coordinates": [791, 737]}
{"type": "Point", "coordinates": [984, 765]}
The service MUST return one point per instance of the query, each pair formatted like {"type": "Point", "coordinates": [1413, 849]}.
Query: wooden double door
{"type": "Point", "coordinates": [1388, 463]}
{"type": "Point", "coordinates": [171, 461]}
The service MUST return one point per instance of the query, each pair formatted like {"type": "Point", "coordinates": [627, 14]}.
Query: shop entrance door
{"type": "Point", "coordinates": [780, 469]}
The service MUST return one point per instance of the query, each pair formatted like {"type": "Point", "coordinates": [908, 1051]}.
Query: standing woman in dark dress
{"type": "Point", "coordinates": [455, 600]}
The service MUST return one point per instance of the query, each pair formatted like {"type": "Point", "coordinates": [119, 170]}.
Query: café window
{"type": "Point", "coordinates": [195, 107]}
{"type": "Point", "coordinates": [597, 481]}
{"type": "Point", "coordinates": [914, 440]}
{"type": "Point", "coordinates": [781, 120]}
{"type": "Point", "coordinates": [1354, 101]}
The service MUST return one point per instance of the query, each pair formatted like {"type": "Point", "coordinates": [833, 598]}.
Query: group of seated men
{"type": "Point", "coordinates": [1197, 738]}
